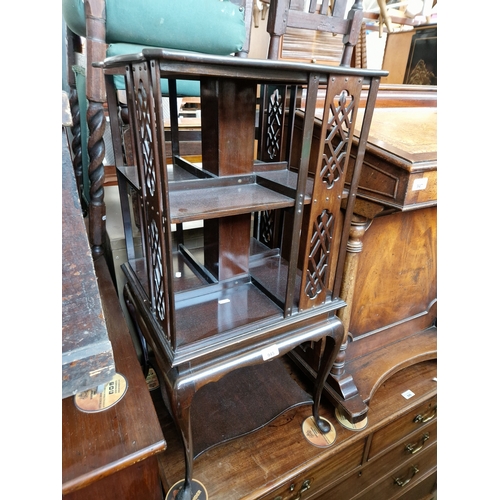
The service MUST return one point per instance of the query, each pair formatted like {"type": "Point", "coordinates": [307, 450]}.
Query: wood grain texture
{"type": "Point", "coordinates": [96, 446]}
{"type": "Point", "coordinates": [87, 355]}
{"type": "Point", "coordinates": [266, 463]}
{"type": "Point", "coordinates": [397, 271]}
{"type": "Point", "coordinates": [411, 132]}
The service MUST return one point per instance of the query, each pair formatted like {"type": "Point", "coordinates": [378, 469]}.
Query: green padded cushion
{"type": "Point", "coordinates": [208, 26]}
{"type": "Point", "coordinates": [185, 88]}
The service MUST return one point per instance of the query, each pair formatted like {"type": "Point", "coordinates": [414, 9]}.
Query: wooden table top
{"type": "Point", "coordinates": [407, 133]}
{"type": "Point", "coordinates": [87, 355]}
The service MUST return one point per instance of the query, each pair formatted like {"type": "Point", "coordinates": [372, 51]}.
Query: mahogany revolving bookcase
{"type": "Point", "coordinates": [217, 319]}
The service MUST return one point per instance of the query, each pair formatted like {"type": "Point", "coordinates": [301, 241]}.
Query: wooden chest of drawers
{"type": "Point", "coordinates": [379, 462]}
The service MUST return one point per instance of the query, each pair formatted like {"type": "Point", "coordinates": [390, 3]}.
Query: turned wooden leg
{"type": "Point", "coordinates": [354, 248]}
{"type": "Point", "coordinates": [332, 346]}
{"type": "Point", "coordinates": [95, 21]}
{"type": "Point", "coordinates": [342, 383]}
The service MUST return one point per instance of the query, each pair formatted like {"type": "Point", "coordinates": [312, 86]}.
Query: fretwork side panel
{"type": "Point", "coordinates": [337, 129]}
{"type": "Point", "coordinates": [151, 172]}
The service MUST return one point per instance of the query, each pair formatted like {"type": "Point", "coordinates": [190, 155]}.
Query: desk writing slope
{"type": "Point", "coordinates": [87, 355]}
{"type": "Point", "coordinates": [220, 316]}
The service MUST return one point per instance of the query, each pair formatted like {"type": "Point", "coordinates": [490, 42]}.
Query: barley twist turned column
{"type": "Point", "coordinates": [96, 95]}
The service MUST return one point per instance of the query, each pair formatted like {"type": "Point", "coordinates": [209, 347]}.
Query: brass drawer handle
{"type": "Point", "coordinates": [305, 486]}
{"type": "Point", "coordinates": [422, 419]}
{"type": "Point", "coordinates": [401, 482]}
{"type": "Point", "coordinates": [411, 447]}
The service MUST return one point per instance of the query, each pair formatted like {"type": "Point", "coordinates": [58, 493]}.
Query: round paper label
{"type": "Point", "coordinates": [102, 397]}
{"type": "Point", "coordinates": [348, 425]}
{"type": "Point", "coordinates": [315, 436]}
{"type": "Point", "coordinates": [198, 491]}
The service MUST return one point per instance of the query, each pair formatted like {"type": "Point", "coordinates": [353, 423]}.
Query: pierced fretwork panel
{"type": "Point", "coordinates": [321, 257]}
{"type": "Point", "coordinates": [319, 254]}
{"type": "Point", "coordinates": [157, 270]}
{"type": "Point", "coordinates": [149, 163]}
{"type": "Point", "coordinates": [337, 139]}
{"type": "Point", "coordinates": [274, 124]}
{"type": "Point", "coordinates": [145, 137]}
{"type": "Point", "coordinates": [266, 226]}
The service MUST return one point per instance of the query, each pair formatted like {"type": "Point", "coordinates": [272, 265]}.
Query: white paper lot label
{"type": "Point", "coordinates": [270, 352]}
{"type": "Point", "coordinates": [419, 184]}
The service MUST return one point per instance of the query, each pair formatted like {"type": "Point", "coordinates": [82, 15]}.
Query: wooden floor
{"type": "Point", "coordinates": [253, 466]}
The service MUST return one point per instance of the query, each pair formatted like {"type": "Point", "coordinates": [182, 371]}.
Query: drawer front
{"type": "Point", "coordinates": [427, 489]}
{"type": "Point", "coordinates": [389, 184]}
{"type": "Point", "coordinates": [304, 485]}
{"type": "Point", "coordinates": [421, 189]}
{"type": "Point", "coordinates": [406, 452]}
{"type": "Point", "coordinates": [404, 478]}
{"type": "Point", "coordinates": [420, 417]}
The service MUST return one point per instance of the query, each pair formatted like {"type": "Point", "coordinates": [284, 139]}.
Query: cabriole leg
{"type": "Point", "coordinates": [332, 347]}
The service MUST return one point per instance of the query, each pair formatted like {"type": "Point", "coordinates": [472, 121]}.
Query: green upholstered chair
{"type": "Point", "coordinates": [101, 28]}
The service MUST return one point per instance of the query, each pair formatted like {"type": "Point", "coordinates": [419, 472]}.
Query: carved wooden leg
{"type": "Point", "coordinates": [332, 346]}
{"type": "Point", "coordinates": [342, 383]}
{"type": "Point", "coordinates": [97, 209]}
{"type": "Point", "coordinates": [180, 403]}
{"type": "Point", "coordinates": [95, 21]}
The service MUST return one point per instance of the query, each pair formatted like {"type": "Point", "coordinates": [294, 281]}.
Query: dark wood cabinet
{"type": "Point", "coordinates": [218, 318]}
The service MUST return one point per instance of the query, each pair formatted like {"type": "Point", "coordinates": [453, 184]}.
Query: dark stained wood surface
{"type": "Point", "coordinates": [198, 336]}
{"type": "Point", "coordinates": [87, 355]}
{"type": "Point", "coordinates": [195, 204]}
{"type": "Point", "coordinates": [111, 454]}
{"type": "Point", "coordinates": [265, 464]}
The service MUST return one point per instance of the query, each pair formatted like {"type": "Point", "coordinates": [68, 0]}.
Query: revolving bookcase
{"type": "Point", "coordinates": [217, 318]}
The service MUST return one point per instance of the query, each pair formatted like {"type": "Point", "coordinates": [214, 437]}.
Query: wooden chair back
{"type": "Point", "coordinates": [278, 103]}
{"type": "Point", "coordinates": [327, 16]}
